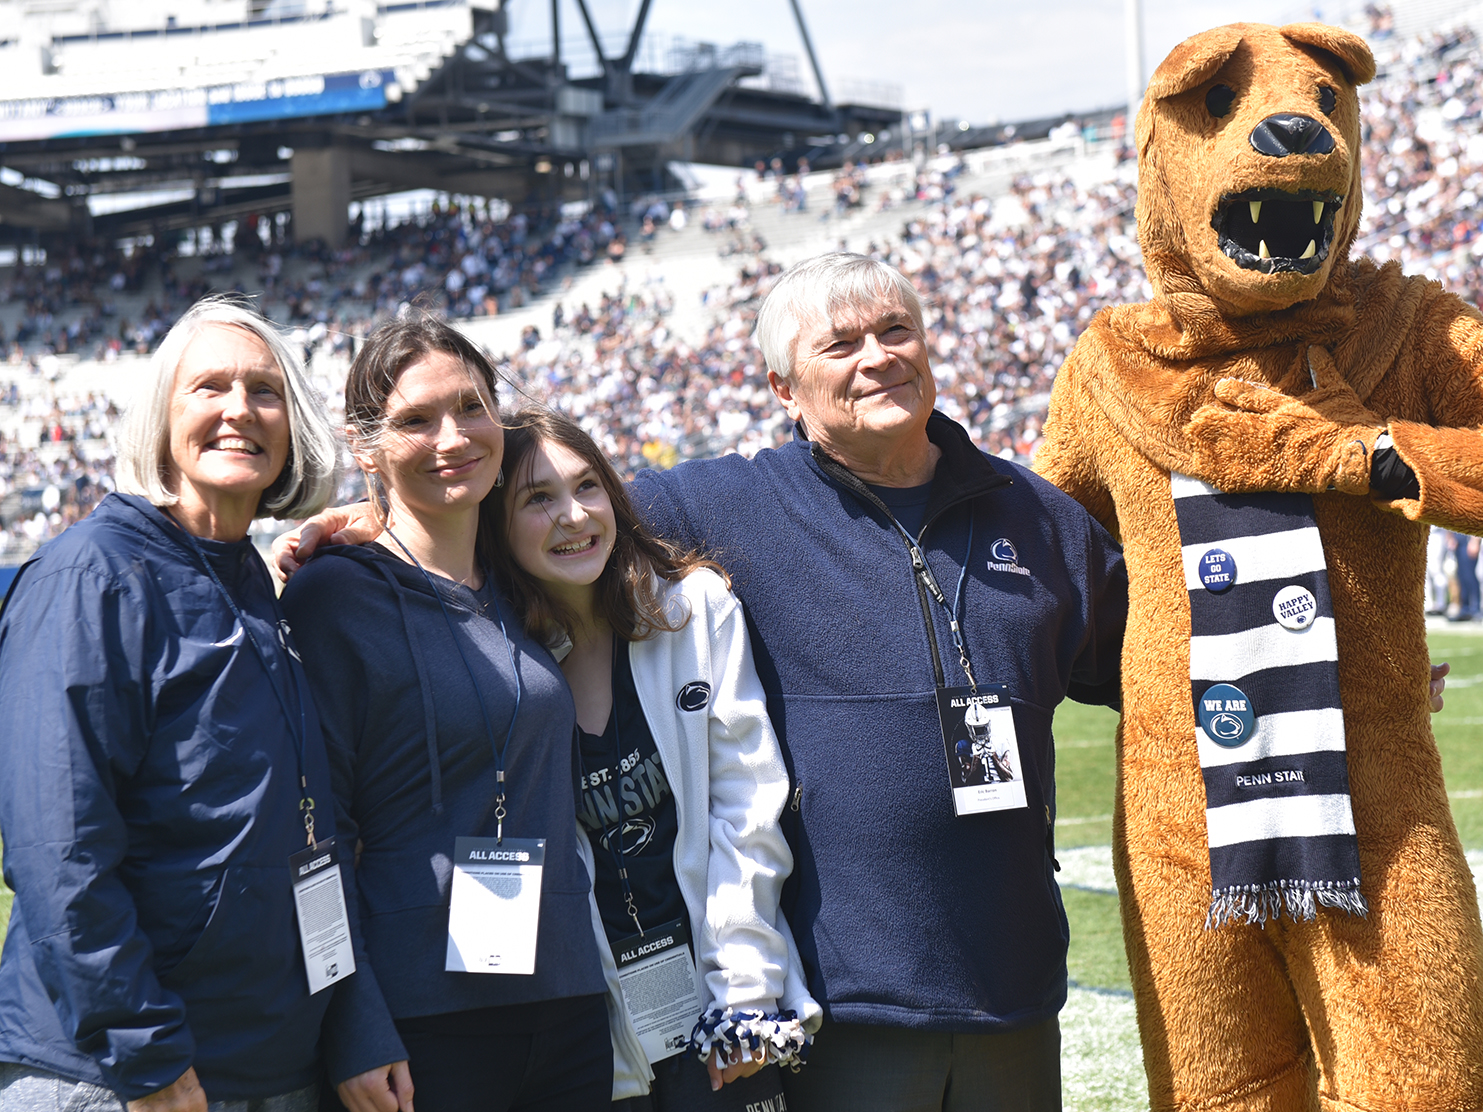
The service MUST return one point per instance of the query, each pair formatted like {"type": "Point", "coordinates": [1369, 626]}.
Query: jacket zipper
{"type": "Point", "coordinates": [919, 566]}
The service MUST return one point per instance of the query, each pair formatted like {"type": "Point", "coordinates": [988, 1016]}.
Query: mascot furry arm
{"type": "Point", "coordinates": [1301, 925]}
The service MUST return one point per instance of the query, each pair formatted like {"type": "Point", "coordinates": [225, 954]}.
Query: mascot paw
{"type": "Point", "coordinates": [1251, 437]}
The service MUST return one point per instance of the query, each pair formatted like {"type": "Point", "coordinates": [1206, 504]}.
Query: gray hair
{"type": "Point", "coordinates": [819, 288]}
{"type": "Point", "coordinates": [308, 478]}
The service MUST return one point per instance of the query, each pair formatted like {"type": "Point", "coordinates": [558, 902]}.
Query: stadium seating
{"type": "Point", "coordinates": [1013, 249]}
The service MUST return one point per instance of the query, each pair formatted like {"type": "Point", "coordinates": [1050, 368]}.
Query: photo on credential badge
{"type": "Point", "coordinates": [982, 750]}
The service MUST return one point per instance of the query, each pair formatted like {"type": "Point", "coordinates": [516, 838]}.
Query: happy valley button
{"type": "Point", "coordinates": [1226, 716]}
{"type": "Point", "coordinates": [1295, 608]}
{"type": "Point", "coordinates": [1217, 571]}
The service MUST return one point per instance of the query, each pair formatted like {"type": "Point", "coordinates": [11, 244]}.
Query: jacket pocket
{"type": "Point", "coordinates": [246, 996]}
{"type": "Point", "coordinates": [206, 942]}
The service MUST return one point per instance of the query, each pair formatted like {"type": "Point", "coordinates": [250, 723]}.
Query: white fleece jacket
{"type": "Point", "coordinates": [730, 786]}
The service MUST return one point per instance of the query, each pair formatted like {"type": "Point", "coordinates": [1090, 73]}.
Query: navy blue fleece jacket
{"type": "Point", "coordinates": [413, 769]}
{"type": "Point", "coordinates": [906, 915]}
{"type": "Point", "coordinates": [149, 802]}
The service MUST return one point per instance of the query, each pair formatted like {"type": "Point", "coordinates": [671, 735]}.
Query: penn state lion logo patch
{"type": "Point", "coordinates": [694, 695]}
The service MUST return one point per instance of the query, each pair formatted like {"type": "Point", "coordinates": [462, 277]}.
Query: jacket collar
{"type": "Point", "coordinates": [963, 472]}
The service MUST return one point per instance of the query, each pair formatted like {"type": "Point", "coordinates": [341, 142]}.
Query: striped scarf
{"type": "Point", "coordinates": [1269, 727]}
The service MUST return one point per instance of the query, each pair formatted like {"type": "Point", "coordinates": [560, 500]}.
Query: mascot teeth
{"type": "Point", "coordinates": [1270, 231]}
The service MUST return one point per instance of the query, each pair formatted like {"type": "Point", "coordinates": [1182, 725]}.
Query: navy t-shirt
{"type": "Point", "coordinates": [908, 505]}
{"type": "Point", "coordinates": [627, 808]}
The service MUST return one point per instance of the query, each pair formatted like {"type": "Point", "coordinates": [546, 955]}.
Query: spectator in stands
{"type": "Point", "coordinates": [446, 721]}
{"type": "Point", "coordinates": [159, 760]}
{"type": "Point", "coordinates": [1465, 557]}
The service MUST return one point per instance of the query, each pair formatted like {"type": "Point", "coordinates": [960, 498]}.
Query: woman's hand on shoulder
{"type": "Point", "coordinates": [383, 1089]}
{"type": "Point", "coordinates": [183, 1095]}
{"type": "Point", "coordinates": [353, 524]}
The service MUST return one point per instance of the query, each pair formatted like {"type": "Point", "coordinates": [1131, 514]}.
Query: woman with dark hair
{"type": "Point", "coordinates": [449, 730]}
{"type": "Point", "coordinates": [683, 782]}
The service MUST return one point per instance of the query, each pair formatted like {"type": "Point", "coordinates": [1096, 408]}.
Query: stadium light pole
{"type": "Point", "coordinates": [813, 59]}
{"type": "Point", "coordinates": [1133, 28]}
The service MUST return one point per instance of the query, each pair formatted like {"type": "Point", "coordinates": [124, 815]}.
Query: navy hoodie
{"type": "Point", "coordinates": [906, 915]}
{"type": "Point", "coordinates": [149, 803]}
{"type": "Point", "coordinates": [413, 769]}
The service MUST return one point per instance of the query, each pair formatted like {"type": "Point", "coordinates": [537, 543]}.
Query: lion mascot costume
{"type": "Point", "coordinates": [1269, 437]}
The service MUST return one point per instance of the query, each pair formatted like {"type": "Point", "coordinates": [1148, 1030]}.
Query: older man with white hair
{"type": "Point", "coordinates": [916, 605]}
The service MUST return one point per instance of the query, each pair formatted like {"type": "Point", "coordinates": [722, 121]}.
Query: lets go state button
{"type": "Point", "coordinates": [1217, 571]}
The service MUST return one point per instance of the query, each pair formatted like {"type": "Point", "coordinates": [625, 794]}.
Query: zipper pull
{"type": "Point", "coordinates": [797, 798]}
{"type": "Point", "coordinates": [924, 573]}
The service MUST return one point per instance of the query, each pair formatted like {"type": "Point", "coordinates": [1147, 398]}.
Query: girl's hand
{"type": "Point", "coordinates": [740, 1063]}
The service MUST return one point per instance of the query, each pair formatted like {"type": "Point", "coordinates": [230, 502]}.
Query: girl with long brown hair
{"type": "Point", "coordinates": [683, 783]}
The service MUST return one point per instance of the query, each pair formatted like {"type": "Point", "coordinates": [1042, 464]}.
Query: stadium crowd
{"type": "Point", "coordinates": [1009, 282]}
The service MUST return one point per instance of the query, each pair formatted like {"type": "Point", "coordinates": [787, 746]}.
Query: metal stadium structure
{"type": "Point", "coordinates": [121, 119]}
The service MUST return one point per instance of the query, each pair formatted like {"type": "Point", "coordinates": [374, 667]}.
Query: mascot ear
{"type": "Point", "coordinates": [1350, 51]}
{"type": "Point", "coordinates": [1193, 62]}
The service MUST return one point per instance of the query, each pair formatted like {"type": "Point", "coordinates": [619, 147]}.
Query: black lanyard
{"type": "Point", "coordinates": [952, 612]}
{"type": "Point", "coordinates": [615, 836]}
{"type": "Point", "coordinates": [498, 750]}
{"type": "Point", "coordinates": [306, 801]}
{"type": "Point", "coordinates": [920, 568]}
{"type": "Point", "coordinates": [924, 573]}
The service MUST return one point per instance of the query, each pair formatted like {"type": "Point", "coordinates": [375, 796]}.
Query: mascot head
{"type": "Point", "coordinates": [1248, 163]}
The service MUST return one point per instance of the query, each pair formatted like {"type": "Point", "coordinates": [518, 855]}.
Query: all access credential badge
{"type": "Point", "coordinates": [324, 927]}
{"type": "Point", "coordinates": [657, 973]}
{"type": "Point", "coordinates": [983, 752]}
{"type": "Point", "coordinates": [495, 908]}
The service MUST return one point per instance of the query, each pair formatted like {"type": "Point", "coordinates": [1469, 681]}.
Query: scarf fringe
{"type": "Point", "coordinates": [1254, 904]}
{"type": "Point", "coordinates": [781, 1034]}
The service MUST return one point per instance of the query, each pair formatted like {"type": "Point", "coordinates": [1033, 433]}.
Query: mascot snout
{"type": "Point", "coordinates": [1280, 136]}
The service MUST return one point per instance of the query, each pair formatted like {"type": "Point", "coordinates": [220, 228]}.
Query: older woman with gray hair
{"type": "Point", "coordinates": [160, 761]}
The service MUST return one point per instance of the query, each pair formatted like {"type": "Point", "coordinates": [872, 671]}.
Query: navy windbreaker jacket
{"type": "Point", "coordinates": [149, 803]}
{"type": "Point", "coordinates": [906, 915]}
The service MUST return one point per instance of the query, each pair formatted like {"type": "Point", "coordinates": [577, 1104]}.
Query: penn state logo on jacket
{"type": "Point", "coordinates": [1005, 557]}
{"type": "Point", "coordinates": [694, 695]}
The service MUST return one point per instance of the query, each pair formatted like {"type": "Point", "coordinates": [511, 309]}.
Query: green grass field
{"type": "Point", "coordinates": [1100, 1059]}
